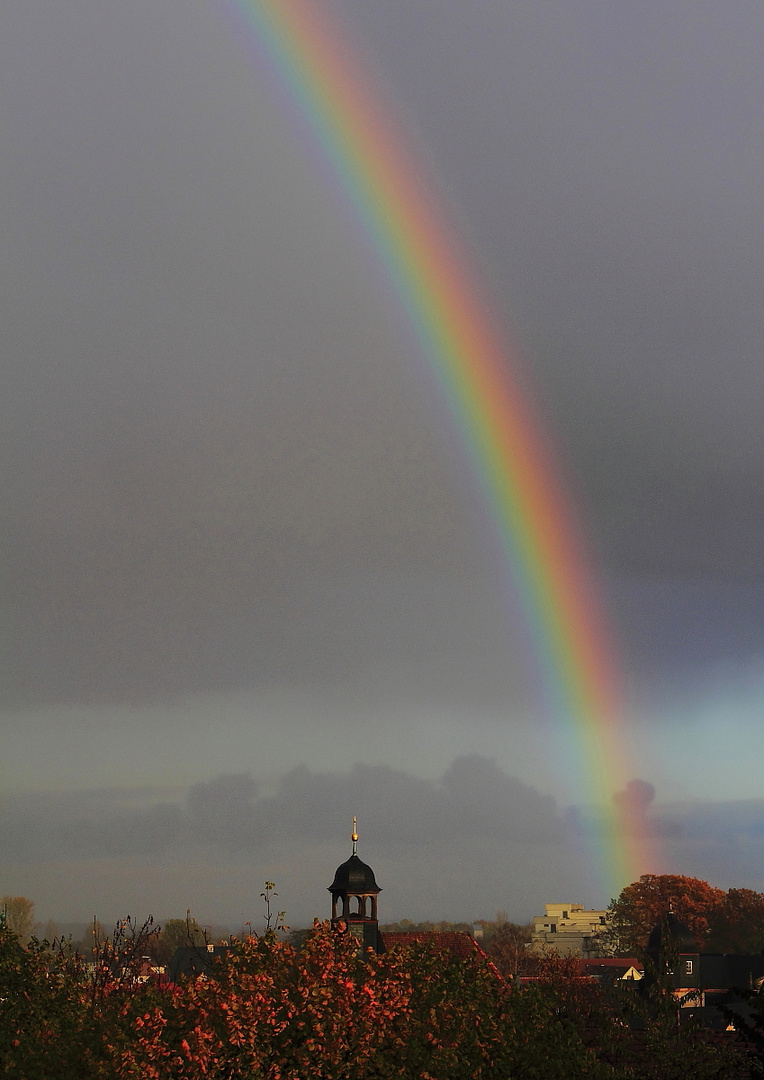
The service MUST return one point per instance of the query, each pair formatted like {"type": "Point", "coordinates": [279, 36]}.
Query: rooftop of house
{"type": "Point", "coordinates": [611, 968]}
{"type": "Point", "coordinates": [459, 943]}
{"type": "Point", "coordinates": [354, 876]}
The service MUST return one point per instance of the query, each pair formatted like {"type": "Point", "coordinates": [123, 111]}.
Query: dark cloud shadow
{"type": "Point", "coordinates": [474, 799]}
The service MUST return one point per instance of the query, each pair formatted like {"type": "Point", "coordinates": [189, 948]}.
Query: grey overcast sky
{"type": "Point", "coordinates": [247, 589]}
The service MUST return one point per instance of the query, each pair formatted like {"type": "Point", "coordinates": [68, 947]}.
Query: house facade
{"type": "Point", "coordinates": [704, 983]}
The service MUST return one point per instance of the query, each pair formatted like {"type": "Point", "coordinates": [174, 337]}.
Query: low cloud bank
{"type": "Point", "coordinates": [473, 842]}
{"type": "Point", "coordinates": [474, 798]}
{"type": "Point", "coordinates": [462, 847]}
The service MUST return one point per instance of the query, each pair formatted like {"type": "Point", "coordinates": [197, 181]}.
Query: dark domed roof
{"type": "Point", "coordinates": [677, 936]}
{"type": "Point", "coordinates": [354, 876]}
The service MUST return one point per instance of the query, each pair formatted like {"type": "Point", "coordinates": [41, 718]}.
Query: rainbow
{"type": "Point", "coordinates": [535, 524]}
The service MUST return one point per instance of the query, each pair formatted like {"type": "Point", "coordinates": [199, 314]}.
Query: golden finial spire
{"type": "Point", "coordinates": [354, 836]}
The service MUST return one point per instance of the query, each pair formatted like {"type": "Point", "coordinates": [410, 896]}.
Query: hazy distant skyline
{"type": "Point", "coordinates": [239, 538]}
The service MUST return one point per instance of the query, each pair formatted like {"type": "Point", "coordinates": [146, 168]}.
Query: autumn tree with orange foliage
{"type": "Point", "coordinates": [321, 1012]}
{"type": "Point", "coordinates": [644, 903]}
{"type": "Point", "coordinates": [271, 1011]}
{"type": "Point", "coordinates": [737, 926]}
{"type": "Point", "coordinates": [731, 922]}
{"type": "Point", "coordinates": [325, 1012]}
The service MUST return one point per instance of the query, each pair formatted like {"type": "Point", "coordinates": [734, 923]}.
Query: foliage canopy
{"type": "Point", "coordinates": [719, 921]}
{"type": "Point", "coordinates": [318, 1013]}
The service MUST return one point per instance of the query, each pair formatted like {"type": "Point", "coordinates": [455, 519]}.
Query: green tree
{"type": "Point", "coordinates": [406, 926]}
{"type": "Point", "coordinates": [174, 934]}
{"type": "Point", "coordinates": [52, 1024]}
{"type": "Point", "coordinates": [50, 931]}
{"type": "Point", "coordinates": [737, 925]}
{"type": "Point", "coordinates": [508, 948]}
{"type": "Point", "coordinates": [18, 914]}
{"type": "Point", "coordinates": [91, 935]}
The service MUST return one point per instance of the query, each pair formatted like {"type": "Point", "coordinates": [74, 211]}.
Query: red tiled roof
{"type": "Point", "coordinates": [624, 962]}
{"type": "Point", "coordinates": [459, 943]}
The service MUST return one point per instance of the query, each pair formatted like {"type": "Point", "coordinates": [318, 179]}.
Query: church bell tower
{"type": "Point", "coordinates": [354, 899]}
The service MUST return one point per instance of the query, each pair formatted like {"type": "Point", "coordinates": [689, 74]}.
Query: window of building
{"type": "Point", "coordinates": [564, 914]}
{"type": "Point", "coordinates": [553, 929]}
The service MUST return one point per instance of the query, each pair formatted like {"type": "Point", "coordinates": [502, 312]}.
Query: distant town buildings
{"type": "Point", "coordinates": [710, 989]}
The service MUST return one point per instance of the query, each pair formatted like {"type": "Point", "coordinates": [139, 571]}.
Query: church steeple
{"type": "Point", "coordinates": [354, 898]}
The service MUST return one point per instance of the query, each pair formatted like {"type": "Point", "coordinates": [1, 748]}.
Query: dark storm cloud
{"type": "Point", "coordinates": [720, 842]}
{"type": "Point", "coordinates": [476, 841]}
{"type": "Point", "coordinates": [603, 159]}
{"type": "Point", "coordinates": [89, 825]}
{"type": "Point", "coordinates": [216, 456]}
{"type": "Point", "coordinates": [636, 800]}
{"type": "Point", "coordinates": [691, 634]}
{"type": "Point", "coordinates": [473, 799]}
{"type": "Point", "coordinates": [221, 467]}
{"type": "Point", "coordinates": [222, 812]}
{"type": "Point", "coordinates": [201, 437]}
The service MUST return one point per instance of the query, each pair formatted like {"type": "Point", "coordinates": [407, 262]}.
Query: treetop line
{"type": "Point", "coordinates": [353, 997]}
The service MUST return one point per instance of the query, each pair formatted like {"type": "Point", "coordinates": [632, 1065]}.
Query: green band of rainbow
{"type": "Point", "coordinates": [431, 276]}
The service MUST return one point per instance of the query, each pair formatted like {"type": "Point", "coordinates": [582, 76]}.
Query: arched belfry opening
{"type": "Point", "coordinates": [354, 899]}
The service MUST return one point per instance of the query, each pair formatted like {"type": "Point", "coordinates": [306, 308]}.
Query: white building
{"type": "Point", "coordinates": [571, 930]}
